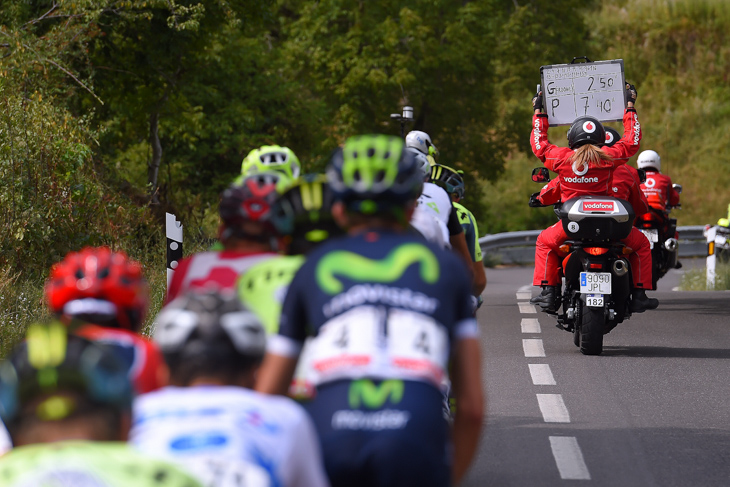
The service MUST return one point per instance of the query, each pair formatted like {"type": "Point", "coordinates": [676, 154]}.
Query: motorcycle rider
{"type": "Point", "coordinates": [658, 187]}
{"type": "Point", "coordinates": [585, 167]}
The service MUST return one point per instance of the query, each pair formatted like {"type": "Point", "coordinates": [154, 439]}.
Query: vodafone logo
{"type": "Point", "coordinates": [609, 138]}
{"type": "Point", "coordinates": [597, 206]}
{"type": "Point", "coordinates": [580, 180]}
{"type": "Point", "coordinates": [589, 127]}
{"type": "Point", "coordinates": [537, 134]}
{"type": "Point", "coordinates": [650, 182]}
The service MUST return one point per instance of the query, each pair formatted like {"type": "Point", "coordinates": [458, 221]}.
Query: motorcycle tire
{"type": "Point", "coordinates": [592, 322]}
{"type": "Point", "coordinates": [576, 336]}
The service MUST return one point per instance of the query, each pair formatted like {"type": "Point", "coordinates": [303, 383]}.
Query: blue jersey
{"type": "Point", "coordinates": [379, 305]}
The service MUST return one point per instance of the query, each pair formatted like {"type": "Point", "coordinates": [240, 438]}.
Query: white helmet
{"type": "Point", "coordinates": [649, 158]}
{"type": "Point", "coordinates": [422, 142]}
{"type": "Point", "coordinates": [423, 165]}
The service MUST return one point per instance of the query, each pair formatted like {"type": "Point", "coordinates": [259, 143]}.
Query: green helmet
{"type": "Point", "coordinates": [449, 179]}
{"type": "Point", "coordinates": [272, 158]}
{"type": "Point", "coordinates": [303, 212]}
{"type": "Point", "coordinates": [374, 174]}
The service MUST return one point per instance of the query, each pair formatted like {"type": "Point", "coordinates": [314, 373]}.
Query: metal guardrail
{"type": "Point", "coordinates": [519, 247]}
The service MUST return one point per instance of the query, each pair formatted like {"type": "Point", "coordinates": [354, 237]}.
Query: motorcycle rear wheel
{"type": "Point", "coordinates": [592, 322]}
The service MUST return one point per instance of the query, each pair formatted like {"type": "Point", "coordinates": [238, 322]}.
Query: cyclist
{"type": "Point", "coordinates": [246, 233]}
{"type": "Point", "coordinates": [421, 141]}
{"type": "Point", "coordinates": [271, 158]}
{"type": "Point", "coordinates": [453, 183]}
{"type": "Point", "coordinates": [302, 215]}
{"type": "Point", "coordinates": [105, 295]}
{"type": "Point", "coordinates": [213, 346]}
{"type": "Point", "coordinates": [424, 219]}
{"type": "Point", "coordinates": [386, 310]}
{"type": "Point", "coordinates": [66, 403]}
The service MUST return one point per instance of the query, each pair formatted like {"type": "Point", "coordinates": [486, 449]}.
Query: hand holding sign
{"type": "Point", "coordinates": [631, 93]}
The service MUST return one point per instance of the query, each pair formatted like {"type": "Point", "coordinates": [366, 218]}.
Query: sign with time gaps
{"type": "Point", "coordinates": [574, 90]}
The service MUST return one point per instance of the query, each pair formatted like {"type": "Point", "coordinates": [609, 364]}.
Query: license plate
{"type": "Point", "coordinates": [595, 282]}
{"type": "Point", "coordinates": [594, 300]}
{"type": "Point", "coordinates": [652, 234]}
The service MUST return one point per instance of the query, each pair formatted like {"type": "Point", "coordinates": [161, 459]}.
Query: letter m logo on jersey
{"type": "Point", "coordinates": [389, 269]}
{"type": "Point", "coordinates": [364, 392]}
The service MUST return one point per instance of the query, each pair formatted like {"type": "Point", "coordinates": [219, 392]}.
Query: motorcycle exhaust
{"type": "Point", "coordinates": [671, 244]}
{"type": "Point", "coordinates": [620, 268]}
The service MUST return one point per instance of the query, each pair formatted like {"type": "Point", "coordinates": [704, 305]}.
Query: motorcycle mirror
{"type": "Point", "coordinates": [677, 188]}
{"type": "Point", "coordinates": [541, 175]}
{"type": "Point", "coordinates": [642, 175]}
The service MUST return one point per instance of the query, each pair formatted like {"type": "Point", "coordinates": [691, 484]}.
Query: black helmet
{"type": "Point", "coordinates": [612, 136]}
{"type": "Point", "coordinates": [374, 173]}
{"type": "Point", "coordinates": [49, 364]}
{"type": "Point", "coordinates": [304, 213]}
{"type": "Point", "coordinates": [208, 333]}
{"type": "Point", "coordinates": [586, 130]}
{"type": "Point", "coordinates": [449, 179]}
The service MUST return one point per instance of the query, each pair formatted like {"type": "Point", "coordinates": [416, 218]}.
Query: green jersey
{"type": "Point", "coordinates": [87, 464]}
{"type": "Point", "coordinates": [262, 288]}
{"type": "Point", "coordinates": [469, 224]}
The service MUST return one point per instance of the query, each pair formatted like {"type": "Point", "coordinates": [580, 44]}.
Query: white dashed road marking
{"type": "Point", "coordinates": [553, 408]}
{"type": "Point", "coordinates": [569, 458]}
{"type": "Point", "coordinates": [527, 308]}
{"type": "Point", "coordinates": [533, 347]}
{"type": "Point", "coordinates": [530, 325]}
{"type": "Point", "coordinates": [526, 295]}
{"type": "Point", "coordinates": [541, 375]}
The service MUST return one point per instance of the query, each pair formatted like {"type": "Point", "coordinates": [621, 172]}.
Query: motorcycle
{"type": "Point", "coordinates": [596, 296]}
{"type": "Point", "coordinates": [660, 230]}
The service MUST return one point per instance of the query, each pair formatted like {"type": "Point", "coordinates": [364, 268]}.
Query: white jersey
{"type": "Point", "coordinates": [227, 422]}
{"type": "Point", "coordinates": [5, 444]}
{"type": "Point", "coordinates": [435, 200]}
{"type": "Point", "coordinates": [429, 226]}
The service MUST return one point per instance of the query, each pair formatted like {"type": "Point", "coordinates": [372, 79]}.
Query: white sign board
{"type": "Point", "coordinates": [574, 90]}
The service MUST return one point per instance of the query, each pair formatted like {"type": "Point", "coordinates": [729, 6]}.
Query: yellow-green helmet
{"type": "Point", "coordinates": [271, 158]}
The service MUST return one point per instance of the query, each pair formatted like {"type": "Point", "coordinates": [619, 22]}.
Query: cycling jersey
{"type": "Point", "coordinates": [471, 232]}
{"type": "Point", "coordinates": [212, 270]}
{"type": "Point", "coordinates": [436, 201]}
{"type": "Point", "coordinates": [384, 309]}
{"type": "Point", "coordinates": [430, 227]}
{"type": "Point", "coordinates": [87, 464]}
{"type": "Point", "coordinates": [5, 443]}
{"type": "Point", "coordinates": [147, 369]}
{"type": "Point", "coordinates": [230, 423]}
{"type": "Point", "coordinates": [262, 289]}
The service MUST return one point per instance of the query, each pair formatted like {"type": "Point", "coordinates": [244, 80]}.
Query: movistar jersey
{"type": "Point", "coordinates": [229, 423]}
{"type": "Point", "coordinates": [471, 232]}
{"type": "Point", "coordinates": [87, 464]}
{"type": "Point", "coordinates": [380, 305]}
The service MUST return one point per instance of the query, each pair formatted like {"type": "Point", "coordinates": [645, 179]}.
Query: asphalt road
{"type": "Point", "coordinates": [652, 410]}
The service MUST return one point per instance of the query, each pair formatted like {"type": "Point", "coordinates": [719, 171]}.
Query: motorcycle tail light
{"type": "Point", "coordinates": [595, 266]}
{"type": "Point", "coordinates": [596, 250]}
{"type": "Point", "coordinates": [565, 248]}
{"type": "Point", "coordinates": [627, 250]}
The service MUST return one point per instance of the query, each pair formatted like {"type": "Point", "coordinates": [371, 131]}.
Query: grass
{"type": "Point", "coordinates": [696, 279]}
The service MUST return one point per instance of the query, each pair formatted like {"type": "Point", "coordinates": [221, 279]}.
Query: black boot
{"type": "Point", "coordinates": [548, 299]}
{"type": "Point", "coordinates": [678, 265]}
{"type": "Point", "coordinates": [640, 302]}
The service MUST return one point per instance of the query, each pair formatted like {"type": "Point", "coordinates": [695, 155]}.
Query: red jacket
{"type": "Point", "coordinates": [658, 190]}
{"type": "Point", "coordinates": [596, 180]}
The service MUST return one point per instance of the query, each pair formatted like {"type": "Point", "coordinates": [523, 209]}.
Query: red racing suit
{"type": "Point", "coordinates": [212, 270]}
{"type": "Point", "coordinates": [597, 181]}
{"type": "Point", "coordinates": [625, 185]}
{"type": "Point", "coordinates": [659, 191]}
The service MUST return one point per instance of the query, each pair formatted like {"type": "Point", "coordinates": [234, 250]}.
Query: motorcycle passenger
{"type": "Point", "coordinates": [453, 183]}
{"type": "Point", "coordinates": [246, 233]}
{"type": "Point", "coordinates": [210, 414]}
{"type": "Point", "coordinates": [106, 296]}
{"type": "Point", "coordinates": [585, 167]}
{"type": "Point", "coordinates": [66, 402]}
{"type": "Point", "coordinates": [387, 311]}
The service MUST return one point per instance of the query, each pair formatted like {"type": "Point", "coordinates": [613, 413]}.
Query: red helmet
{"type": "Point", "coordinates": [250, 200]}
{"type": "Point", "coordinates": [99, 286]}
